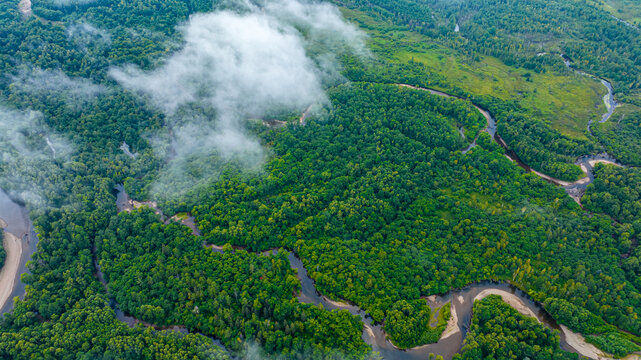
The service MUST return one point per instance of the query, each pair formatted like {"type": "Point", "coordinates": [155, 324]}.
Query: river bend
{"type": "Point", "coordinates": [461, 302]}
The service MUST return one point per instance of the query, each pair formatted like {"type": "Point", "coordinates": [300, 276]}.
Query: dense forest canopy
{"type": "Point", "coordinates": [351, 135]}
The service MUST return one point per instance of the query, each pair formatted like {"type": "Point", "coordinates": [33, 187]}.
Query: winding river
{"type": "Point", "coordinates": [608, 99]}
{"type": "Point", "coordinates": [461, 302]}
{"type": "Point", "coordinates": [631, 26]}
{"type": "Point", "coordinates": [20, 242]}
{"type": "Point", "coordinates": [574, 189]}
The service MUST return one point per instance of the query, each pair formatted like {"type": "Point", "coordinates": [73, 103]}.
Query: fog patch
{"type": "Point", "coordinates": [55, 84]}
{"type": "Point", "coordinates": [253, 351]}
{"type": "Point", "coordinates": [86, 35]}
{"type": "Point", "coordinates": [30, 157]}
{"type": "Point", "coordinates": [65, 3]}
{"type": "Point", "coordinates": [250, 62]}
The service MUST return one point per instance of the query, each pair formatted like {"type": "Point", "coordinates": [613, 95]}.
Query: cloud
{"type": "Point", "coordinates": [75, 92]}
{"type": "Point", "coordinates": [238, 64]}
{"type": "Point", "coordinates": [249, 62]}
{"type": "Point", "coordinates": [64, 3]}
{"type": "Point", "coordinates": [86, 35]}
{"type": "Point", "coordinates": [29, 156]}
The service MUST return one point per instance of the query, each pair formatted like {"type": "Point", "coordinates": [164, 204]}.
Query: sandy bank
{"type": "Point", "coordinates": [13, 247]}
{"type": "Point", "coordinates": [339, 304]}
{"type": "Point", "coordinates": [607, 162]}
{"type": "Point", "coordinates": [584, 168]}
{"type": "Point", "coordinates": [584, 348]}
{"type": "Point", "coordinates": [511, 299]}
{"type": "Point", "coordinates": [303, 117]}
{"type": "Point", "coordinates": [369, 331]}
{"type": "Point", "coordinates": [573, 339]}
{"type": "Point", "coordinates": [452, 324]}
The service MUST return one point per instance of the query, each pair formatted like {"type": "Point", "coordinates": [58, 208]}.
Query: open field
{"type": "Point", "coordinates": [567, 101]}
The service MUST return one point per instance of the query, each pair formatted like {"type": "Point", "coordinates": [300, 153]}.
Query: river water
{"type": "Point", "coordinates": [461, 300]}
{"type": "Point", "coordinates": [18, 223]}
{"type": "Point", "coordinates": [608, 99]}
{"type": "Point", "coordinates": [574, 189]}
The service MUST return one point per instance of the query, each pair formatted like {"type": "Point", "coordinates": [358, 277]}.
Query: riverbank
{"type": "Point", "coordinates": [452, 327]}
{"type": "Point", "coordinates": [509, 299]}
{"type": "Point", "coordinates": [20, 242]}
{"type": "Point", "coordinates": [13, 248]}
{"type": "Point", "coordinates": [586, 349]}
{"type": "Point", "coordinates": [461, 302]}
{"type": "Point", "coordinates": [574, 189]}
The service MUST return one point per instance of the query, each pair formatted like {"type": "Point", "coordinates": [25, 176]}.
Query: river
{"type": "Point", "coordinates": [631, 26]}
{"type": "Point", "coordinates": [460, 300]}
{"type": "Point", "coordinates": [608, 98]}
{"type": "Point", "coordinates": [21, 241]}
{"type": "Point", "coordinates": [574, 189]}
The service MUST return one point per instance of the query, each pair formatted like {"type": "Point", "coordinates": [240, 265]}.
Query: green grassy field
{"type": "Point", "coordinates": [628, 10]}
{"type": "Point", "coordinates": [566, 101]}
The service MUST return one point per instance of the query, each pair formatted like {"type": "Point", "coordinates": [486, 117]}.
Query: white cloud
{"type": "Point", "coordinates": [28, 153]}
{"type": "Point", "coordinates": [240, 64]}
{"type": "Point", "coordinates": [76, 92]}
{"type": "Point", "coordinates": [86, 35]}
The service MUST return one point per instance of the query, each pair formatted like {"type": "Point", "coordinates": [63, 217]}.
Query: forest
{"type": "Point", "coordinates": [500, 332]}
{"type": "Point", "coordinates": [372, 191]}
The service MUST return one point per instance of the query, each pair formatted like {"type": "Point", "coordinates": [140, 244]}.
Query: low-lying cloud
{"type": "Point", "coordinates": [235, 65]}
{"type": "Point", "coordinates": [30, 154]}
{"type": "Point", "coordinates": [64, 3]}
{"type": "Point", "coordinates": [86, 35]}
{"type": "Point", "coordinates": [75, 92]}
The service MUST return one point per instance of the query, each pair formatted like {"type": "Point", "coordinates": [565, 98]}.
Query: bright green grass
{"type": "Point", "coordinates": [443, 316]}
{"type": "Point", "coordinates": [567, 102]}
{"type": "Point", "coordinates": [488, 203]}
{"type": "Point", "coordinates": [628, 10]}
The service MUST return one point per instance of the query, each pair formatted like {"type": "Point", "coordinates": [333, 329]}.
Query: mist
{"type": "Point", "coordinates": [253, 351]}
{"type": "Point", "coordinates": [74, 92]}
{"type": "Point", "coordinates": [31, 154]}
{"type": "Point", "coordinates": [64, 3]}
{"type": "Point", "coordinates": [246, 61]}
{"type": "Point", "coordinates": [86, 35]}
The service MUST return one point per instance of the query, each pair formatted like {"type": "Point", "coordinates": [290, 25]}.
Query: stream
{"type": "Point", "coordinates": [460, 300]}
{"type": "Point", "coordinates": [574, 189]}
{"type": "Point", "coordinates": [631, 26]}
{"type": "Point", "coordinates": [17, 227]}
{"type": "Point", "coordinates": [608, 99]}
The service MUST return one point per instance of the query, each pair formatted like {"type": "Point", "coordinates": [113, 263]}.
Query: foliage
{"type": "Point", "coordinates": [376, 199]}
{"type": "Point", "coordinates": [617, 192]}
{"type": "Point", "coordinates": [574, 317]}
{"type": "Point", "coordinates": [380, 212]}
{"type": "Point", "coordinates": [163, 275]}
{"type": "Point", "coordinates": [622, 138]}
{"type": "Point", "coordinates": [613, 343]}
{"type": "Point", "coordinates": [498, 331]}
{"type": "Point", "coordinates": [410, 324]}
